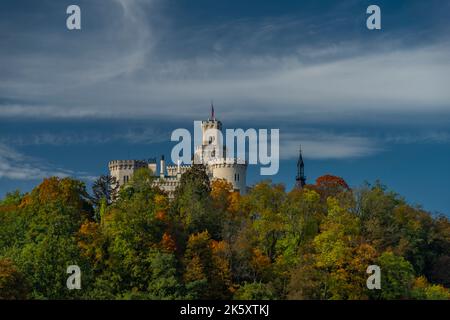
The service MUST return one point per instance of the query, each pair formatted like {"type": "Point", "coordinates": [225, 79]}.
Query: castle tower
{"type": "Point", "coordinates": [300, 178]}
{"type": "Point", "coordinates": [123, 170]}
{"type": "Point", "coordinates": [212, 145]}
{"type": "Point", "coordinates": [232, 170]}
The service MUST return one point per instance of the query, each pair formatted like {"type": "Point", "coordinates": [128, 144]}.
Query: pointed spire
{"type": "Point", "coordinates": [300, 156]}
{"type": "Point", "coordinates": [212, 111]}
{"type": "Point", "coordinates": [300, 178]}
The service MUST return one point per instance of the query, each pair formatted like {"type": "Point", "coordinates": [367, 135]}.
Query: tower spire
{"type": "Point", "coordinates": [212, 111]}
{"type": "Point", "coordinates": [300, 178]}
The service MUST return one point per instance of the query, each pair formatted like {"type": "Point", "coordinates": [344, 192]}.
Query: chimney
{"type": "Point", "coordinates": [178, 169]}
{"type": "Point", "coordinates": [162, 167]}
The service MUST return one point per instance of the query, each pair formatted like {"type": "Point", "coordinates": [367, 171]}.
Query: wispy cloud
{"type": "Point", "coordinates": [400, 81]}
{"type": "Point", "coordinates": [326, 145]}
{"type": "Point", "coordinates": [18, 166]}
{"type": "Point", "coordinates": [134, 73]}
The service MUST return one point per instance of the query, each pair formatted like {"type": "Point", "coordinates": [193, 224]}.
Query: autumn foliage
{"type": "Point", "coordinates": [210, 242]}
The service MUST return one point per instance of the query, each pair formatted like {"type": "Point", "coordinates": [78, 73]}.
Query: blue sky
{"type": "Point", "coordinates": [365, 105]}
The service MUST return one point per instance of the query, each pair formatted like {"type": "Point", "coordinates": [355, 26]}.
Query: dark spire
{"type": "Point", "coordinates": [300, 179]}
{"type": "Point", "coordinates": [212, 111]}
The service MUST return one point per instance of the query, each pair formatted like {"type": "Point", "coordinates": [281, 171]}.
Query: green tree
{"type": "Point", "coordinates": [193, 203]}
{"type": "Point", "coordinates": [265, 203]}
{"type": "Point", "coordinates": [254, 291]}
{"type": "Point", "coordinates": [397, 276]}
{"type": "Point", "coordinates": [164, 283]}
{"type": "Point", "coordinates": [105, 187]}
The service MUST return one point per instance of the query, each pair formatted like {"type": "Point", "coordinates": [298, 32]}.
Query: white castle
{"type": "Point", "coordinates": [217, 166]}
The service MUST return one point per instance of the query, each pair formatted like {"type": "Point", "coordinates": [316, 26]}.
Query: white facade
{"type": "Point", "coordinates": [123, 170]}
{"type": "Point", "coordinates": [232, 170]}
{"type": "Point", "coordinates": [212, 153]}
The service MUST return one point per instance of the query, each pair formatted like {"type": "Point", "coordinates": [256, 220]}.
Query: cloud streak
{"type": "Point", "coordinates": [325, 145]}
{"type": "Point", "coordinates": [17, 166]}
{"type": "Point", "coordinates": [401, 81]}
{"type": "Point", "coordinates": [128, 74]}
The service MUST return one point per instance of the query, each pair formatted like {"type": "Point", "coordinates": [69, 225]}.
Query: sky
{"type": "Point", "coordinates": [364, 104]}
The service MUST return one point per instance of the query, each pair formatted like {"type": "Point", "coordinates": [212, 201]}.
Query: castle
{"type": "Point", "coordinates": [233, 170]}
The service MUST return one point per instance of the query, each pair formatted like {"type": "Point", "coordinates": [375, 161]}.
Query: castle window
{"type": "Point", "coordinates": [238, 177]}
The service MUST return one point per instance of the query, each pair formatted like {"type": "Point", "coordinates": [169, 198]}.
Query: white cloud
{"type": "Point", "coordinates": [123, 72]}
{"type": "Point", "coordinates": [17, 166]}
{"type": "Point", "coordinates": [323, 145]}
{"type": "Point", "coordinates": [410, 81]}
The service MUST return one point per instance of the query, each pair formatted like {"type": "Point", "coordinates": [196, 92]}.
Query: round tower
{"type": "Point", "coordinates": [232, 170]}
{"type": "Point", "coordinates": [123, 170]}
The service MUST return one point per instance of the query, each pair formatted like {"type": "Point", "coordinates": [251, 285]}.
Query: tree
{"type": "Point", "coordinates": [164, 283]}
{"type": "Point", "coordinates": [302, 213]}
{"type": "Point", "coordinates": [131, 228]}
{"type": "Point", "coordinates": [207, 273]}
{"type": "Point", "coordinates": [254, 291]}
{"type": "Point", "coordinates": [13, 222]}
{"type": "Point", "coordinates": [45, 265]}
{"type": "Point", "coordinates": [226, 205]}
{"type": "Point", "coordinates": [13, 284]}
{"type": "Point", "coordinates": [440, 272]}
{"type": "Point", "coordinates": [340, 254]}
{"type": "Point", "coordinates": [423, 290]}
{"type": "Point", "coordinates": [105, 187]}
{"type": "Point", "coordinates": [339, 233]}
{"type": "Point", "coordinates": [193, 203]}
{"type": "Point", "coordinates": [264, 203]}
{"type": "Point", "coordinates": [374, 205]}
{"type": "Point", "coordinates": [397, 276]}
{"type": "Point", "coordinates": [12, 198]}
{"type": "Point", "coordinates": [329, 185]}
{"type": "Point", "coordinates": [307, 282]}
{"type": "Point", "coordinates": [437, 269]}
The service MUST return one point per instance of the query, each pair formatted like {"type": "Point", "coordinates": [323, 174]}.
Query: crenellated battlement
{"type": "Point", "coordinates": [226, 162]}
{"type": "Point", "coordinates": [174, 166]}
{"type": "Point", "coordinates": [126, 164]}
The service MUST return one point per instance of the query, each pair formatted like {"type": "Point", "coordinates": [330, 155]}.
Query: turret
{"type": "Point", "coordinates": [162, 168]}
{"type": "Point", "coordinates": [152, 166]}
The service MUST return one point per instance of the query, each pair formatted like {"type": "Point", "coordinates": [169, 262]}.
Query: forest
{"type": "Point", "coordinates": [207, 242]}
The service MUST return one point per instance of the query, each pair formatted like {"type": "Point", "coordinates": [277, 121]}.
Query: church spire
{"type": "Point", "coordinates": [212, 111]}
{"type": "Point", "coordinates": [300, 178]}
